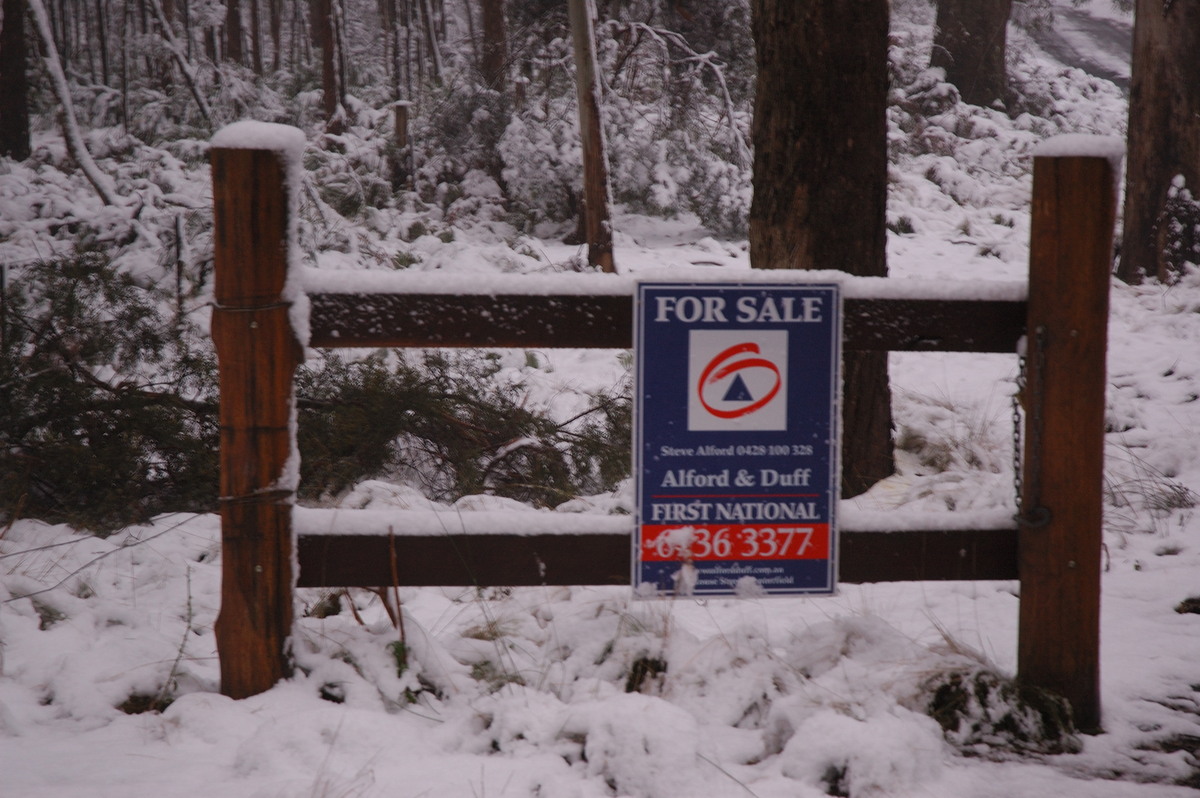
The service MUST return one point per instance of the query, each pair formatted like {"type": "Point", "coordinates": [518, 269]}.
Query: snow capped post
{"type": "Point", "coordinates": [1070, 263]}
{"type": "Point", "coordinates": [254, 167]}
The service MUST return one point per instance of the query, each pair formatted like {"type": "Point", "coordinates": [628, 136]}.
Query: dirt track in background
{"type": "Point", "coordinates": [1100, 46]}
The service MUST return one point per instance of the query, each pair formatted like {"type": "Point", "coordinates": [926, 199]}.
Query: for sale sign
{"type": "Point", "coordinates": [736, 444]}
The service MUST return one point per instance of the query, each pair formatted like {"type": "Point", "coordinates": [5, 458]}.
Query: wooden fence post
{"type": "Point", "coordinates": [1070, 262]}
{"type": "Point", "coordinates": [257, 354]}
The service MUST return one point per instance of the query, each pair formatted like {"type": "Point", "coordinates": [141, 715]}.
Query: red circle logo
{"type": "Point", "coordinates": [720, 367]}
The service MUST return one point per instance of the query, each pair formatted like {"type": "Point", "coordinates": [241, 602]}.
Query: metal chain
{"type": "Point", "coordinates": [1018, 421]}
{"type": "Point", "coordinates": [1039, 515]}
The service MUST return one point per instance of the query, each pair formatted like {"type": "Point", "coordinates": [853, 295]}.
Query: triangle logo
{"type": "Point", "coordinates": [738, 392]}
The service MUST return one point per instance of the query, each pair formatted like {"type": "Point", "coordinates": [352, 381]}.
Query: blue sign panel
{"type": "Point", "coordinates": [735, 450]}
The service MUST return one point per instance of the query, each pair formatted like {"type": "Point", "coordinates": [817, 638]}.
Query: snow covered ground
{"type": "Point", "coordinates": [583, 692]}
{"type": "Point", "coordinates": [523, 692]}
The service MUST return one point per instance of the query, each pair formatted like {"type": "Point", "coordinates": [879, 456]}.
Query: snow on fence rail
{"type": "Point", "coordinates": [354, 548]}
{"type": "Point", "coordinates": [267, 308]}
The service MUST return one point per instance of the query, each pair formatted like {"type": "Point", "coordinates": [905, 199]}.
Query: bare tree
{"type": "Point", "coordinates": [233, 31]}
{"type": "Point", "coordinates": [14, 83]}
{"type": "Point", "coordinates": [1162, 180]}
{"type": "Point", "coordinates": [431, 39]}
{"type": "Point", "coordinates": [275, 15]}
{"type": "Point", "coordinates": [256, 54]}
{"type": "Point", "coordinates": [102, 39]}
{"type": "Point", "coordinates": [597, 221]}
{"type": "Point", "coordinates": [820, 179]}
{"type": "Point", "coordinates": [325, 29]}
{"type": "Point", "coordinates": [494, 63]}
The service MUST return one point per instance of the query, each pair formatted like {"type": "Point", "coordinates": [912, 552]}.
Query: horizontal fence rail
{"type": "Point", "coordinates": [603, 558]}
{"type": "Point", "coordinates": [340, 548]}
{"type": "Point", "coordinates": [606, 322]}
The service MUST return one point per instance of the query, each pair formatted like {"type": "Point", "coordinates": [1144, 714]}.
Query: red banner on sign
{"type": "Point", "coordinates": [662, 543]}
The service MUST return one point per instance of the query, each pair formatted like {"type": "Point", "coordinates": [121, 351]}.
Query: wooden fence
{"type": "Point", "coordinates": [1055, 552]}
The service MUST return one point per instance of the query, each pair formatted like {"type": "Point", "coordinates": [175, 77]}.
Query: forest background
{"type": "Point", "coordinates": [425, 119]}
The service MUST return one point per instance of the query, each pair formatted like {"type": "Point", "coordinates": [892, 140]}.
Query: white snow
{"type": "Point", "coordinates": [451, 521]}
{"type": "Point", "coordinates": [518, 520]}
{"type": "Point", "coordinates": [321, 281]}
{"type": "Point", "coordinates": [252, 135]}
{"type": "Point", "coordinates": [1079, 145]}
{"type": "Point", "coordinates": [852, 517]}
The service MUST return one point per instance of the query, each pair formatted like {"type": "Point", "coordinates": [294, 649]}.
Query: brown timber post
{"type": "Point", "coordinates": [257, 354]}
{"type": "Point", "coordinates": [1070, 262]}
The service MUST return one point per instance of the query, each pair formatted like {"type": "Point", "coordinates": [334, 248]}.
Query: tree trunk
{"type": "Point", "coordinates": [127, 35]}
{"type": "Point", "coordinates": [469, 13]}
{"type": "Point", "coordinates": [58, 29]}
{"type": "Point", "coordinates": [233, 31]}
{"type": "Point", "coordinates": [185, 21]}
{"type": "Point", "coordinates": [431, 38]}
{"type": "Point", "coordinates": [85, 17]}
{"type": "Point", "coordinates": [394, 19]}
{"type": "Point", "coordinates": [969, 42]}
{"type": "Point", "coordinates": [256, 54]}
{"type": "Point", "coordinates": [820, 179]}
{"type": "Point", "coordinates": [14, 83]}
{"type": "Point", "coordinates": [340, 48]}
{"type": "Point", "coordinates": [1162, 179]}
{"type": "Point", "coordinates": [494, 64]}
{"type": "Point", "coordinates": [275, 8]}
{"type": "Point", "coordinates": [149, 62]}
{"type": "Point", "coordinates": [327, 40]}
{"type": "Point", "coordinates": [595, 157]}
{"type": "Point", "coordinates": [102, 39]}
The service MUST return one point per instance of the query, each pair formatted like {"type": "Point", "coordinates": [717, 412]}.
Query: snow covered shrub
{"type": "Point", "coordinates": [977, 161]}
{"type": "Point", "coordinates": [1141, 494]}
{"type": "Point", "coordinates": [455, 132]}
{"type": "Point", "coordinates": [885, 754]}
{"type": "Point", "coordinates": [600, 439]}
{"type": "Point", "coordinates": [984, 713]}
{"type": "Point", "coordinates": [943, 435]}
{"type": "Point", "coordinates": [638, 745]}
{"type": "Point", "coordinates": [676, 112]}
{"type": "Point", "coordinates": [1180, 229]}
{"type": "Point", "coordinates": [681, 103]}
{"type": "Point", "coordinates": [719, 194]}
{"type": "Point", "coordinates": [953, 456]}
{"type": "Point", "coordinates": [351, 171]}
{"type": "Point", "coordinates": [107, 414]}
{"type": "Point", "coordinates": [542, 169]}
{"type": "Point", "coordinates": [450, 424]}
